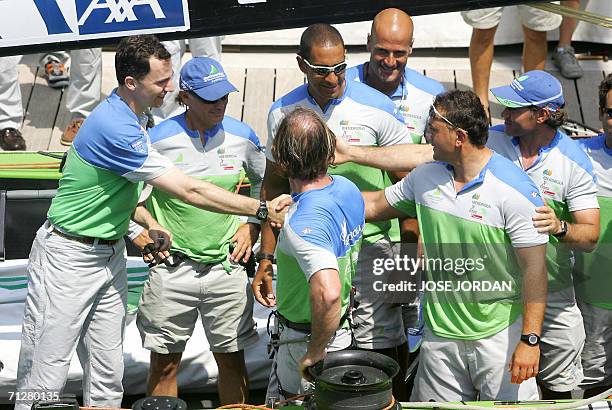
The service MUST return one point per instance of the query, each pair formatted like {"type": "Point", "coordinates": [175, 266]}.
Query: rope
{"type": "Point", "coordinates": [563, 406]}
{"type": "Point", "coordinates": [239, 185]}
{"type": "Point", "coordinates": [391, 405]}
{"type": "Point", "coordinates": [586, 16]}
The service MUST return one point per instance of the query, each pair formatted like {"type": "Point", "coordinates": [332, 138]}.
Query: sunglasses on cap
{"type": "Point", "coordinates": [224, 98]}
{"type": "Point", "coordinates": [324, 70]}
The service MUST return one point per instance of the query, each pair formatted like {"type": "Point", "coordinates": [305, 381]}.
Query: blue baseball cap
{"type": "Point", "coordinates": [537, 88]}
{"type": "Point", "coordinates": [205, 77]}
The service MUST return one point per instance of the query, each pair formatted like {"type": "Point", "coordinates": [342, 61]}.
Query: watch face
{"type": "Point", "coordinates": [262, 213]}
{"type": "Point", "coordinates": [533, 339]}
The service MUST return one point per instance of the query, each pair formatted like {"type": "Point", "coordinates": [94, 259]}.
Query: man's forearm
{"type": "Point", "coordinates": [325, 321]}
{"type": "Point", "coordinates": [213, 198]}
{"type": "Point", "coordinates": [143, 217]}
{"type": "Point", "coordinates": [581, 236]}
{"type": "Point", "coordinates": [203, 194]}
{"type": "Point", "coordinates": [272, 186]}
{"type": "Point", "coordinates": [399, 157]}
{"type": "Point", "coordinates": [535, 285]}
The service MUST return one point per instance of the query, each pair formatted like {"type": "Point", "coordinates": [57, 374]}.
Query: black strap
{"type": "Point", "coordinates": [306, 327]}
{"type": "Point", "coordinates": [2, 223]}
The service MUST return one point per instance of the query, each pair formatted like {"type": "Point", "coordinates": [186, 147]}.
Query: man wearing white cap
{"type": "Point", "coordinates": [530, 138]}
{"type": "Point", "coordinates": [207, 145]}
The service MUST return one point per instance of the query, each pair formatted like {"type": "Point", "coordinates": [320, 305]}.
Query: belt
{"type": "Point", "coordinates": [300, 327]}
{"type": "Point", "coordinates": [87, 240]}
{"type": "Point", "coordinates": [303, 327]}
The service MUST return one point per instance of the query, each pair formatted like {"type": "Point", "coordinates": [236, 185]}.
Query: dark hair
{"type": "Point", "coordinates": [303, 146]}
{"type": "Point", "coordinates": [320, 34]}
{"type": "Point", "coordinates": [133, 54]}
{"type": "Point", "coordinates": [464, 109]}
{"type": "Point", "coordinates": [556, 118]}
{"type": "Point", "coordinates": [604, 88]}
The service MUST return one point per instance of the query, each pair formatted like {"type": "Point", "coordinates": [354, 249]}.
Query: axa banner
{"type": "Point", "coordinates": [24, 22]}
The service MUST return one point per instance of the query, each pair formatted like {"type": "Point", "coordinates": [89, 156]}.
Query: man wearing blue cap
{"type": "Point", "coordinates": [530, 138]}
{"type": "Point", "coordinates": [77, 278]}
{"type": "Point", "coordinates": [206, 145]}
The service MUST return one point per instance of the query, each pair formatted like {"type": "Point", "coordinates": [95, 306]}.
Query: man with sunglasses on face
{"type": "Point", "coordinates": [359, 115]}
{"type": "Point", "coordinates": [592, 278]}
{"type": "Point", "coordinates": [207, 145]}
{"type": "Point", "coordinates": [390, 45]}
{"type": "Point", "coordinates": [530, 138]}
{"type": "Point", "coordinates": [474, 208]}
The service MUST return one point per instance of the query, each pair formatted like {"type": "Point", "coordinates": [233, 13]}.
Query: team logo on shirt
{"type": "Point", "coordinates": [550, 186]}
{"type": "Point", "coordinates": [350, 133]}
{"type": "Point", "coordinates": [435, 195]}
{"type": "Point", "coordinates": [226, 159]}
{"type": "Point", "coordinates": [349, 238]}
{"type": "Point", "coordinates": [139, 146]}
{"type": "Point", "coordinates": [479, 208]}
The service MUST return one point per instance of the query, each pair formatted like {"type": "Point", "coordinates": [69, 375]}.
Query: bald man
{"type": "Point", "coordinates": [390, 45]}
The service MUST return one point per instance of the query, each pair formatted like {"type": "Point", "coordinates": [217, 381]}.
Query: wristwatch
{"type": "Point", "coordinates": [261, 256]}
{"type": "Point", "coordinates": [531, 339]}
{"type": "Point", "coordinates": [563, 230]}
{"type": "Point", "coordinates": [262, 212]}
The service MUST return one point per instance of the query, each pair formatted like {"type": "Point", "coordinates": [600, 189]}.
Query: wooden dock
{"type": "Point", "coordinates": [262, 78]}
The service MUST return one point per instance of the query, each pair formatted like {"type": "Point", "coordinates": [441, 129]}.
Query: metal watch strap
{"type": "Point", "coordinates": [563, 231]}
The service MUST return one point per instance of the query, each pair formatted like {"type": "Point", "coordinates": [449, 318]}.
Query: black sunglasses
{"type": "Point", "coordinates": [224, 98]}
{"type": "Point", "coordinates": [324, 70]}
{"type": "Point", "coordinates": [608, 112]}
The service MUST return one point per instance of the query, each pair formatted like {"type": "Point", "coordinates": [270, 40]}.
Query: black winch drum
{"type": "Point", "coordinates": [354, 380]}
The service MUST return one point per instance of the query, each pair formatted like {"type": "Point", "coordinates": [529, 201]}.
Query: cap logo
{"type": "Point", "coordinates": [214, 76]}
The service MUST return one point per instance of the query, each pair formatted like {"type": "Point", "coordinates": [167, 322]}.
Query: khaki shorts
{"type": "Point", "coordinates": [464, 370]}
{"type": "Point", "coordinates": [378, 321]}
{"type": "Point", "coordinates": [597, 352]}
{"type": "Point", "coordinates": [561, 343]}
{"type": "Point", "coordinates": [289, 355]}
{"type": "Point", "coordinates": [534, 19]}
{"type": "Point", "coordinates": [172, 298]}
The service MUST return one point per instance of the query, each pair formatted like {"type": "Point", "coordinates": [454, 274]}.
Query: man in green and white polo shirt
{"type": "Point", "coordinates": [473, 205]}
{"type": "Point", "coordinates": [390, 45]}
{"type": "Point", "coordinates": [317, 250]}
{"type": "Point", "coordinates": [592, 278]}
{"type": "Point", "coordinates": [77, 279]}
{"type": "Point", "coordinates": [564, 174]}
{"type": "Point", "coordinates": [209, 146]}
{"type": "Point", "coordinates": [362, 116]}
